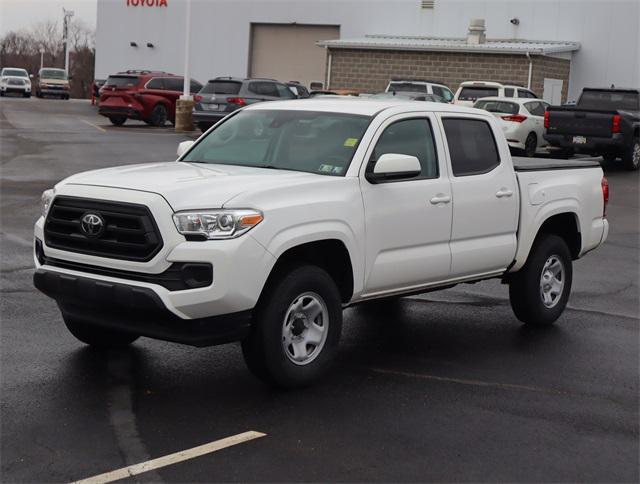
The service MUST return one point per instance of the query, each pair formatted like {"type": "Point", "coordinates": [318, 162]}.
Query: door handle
{"type": "Point", "coordinates": [504, 192]}
{"type": "Point", "coordinates": [440, 198]}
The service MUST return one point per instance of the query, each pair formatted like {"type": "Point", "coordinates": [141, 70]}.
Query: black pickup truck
{"type": "Point", "coordinates": [603, 122]}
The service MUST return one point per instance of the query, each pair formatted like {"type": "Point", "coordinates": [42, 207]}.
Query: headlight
{"type": "Point", "coordinates": [217, 224]}
{"type": "Point", "coordinates": [46, 199]}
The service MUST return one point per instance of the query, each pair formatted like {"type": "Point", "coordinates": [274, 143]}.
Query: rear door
{"type": "Point", "coordinates": [485, 202]}
{"type": "Point", "coordinates": [408, 221]}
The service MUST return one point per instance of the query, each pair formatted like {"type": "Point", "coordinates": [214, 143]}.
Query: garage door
{"type": "Point", "coordinates": [289, 52]}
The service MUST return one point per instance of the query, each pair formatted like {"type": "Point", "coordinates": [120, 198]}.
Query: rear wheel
{"type": "Point", "coordinates": [531, 145]}
{"type": "Point", "coordinates": [631, 157]}
{"type": "Point", "coordinates": [540, 290]}
{"type": "Point", "coordinates": [117, 120]}
{"type": "Point", "coordinates": [97, 336]}
{"type": "Point", "coordinates": [296, 329]}
{"type": "Point", "coordinates": [158, 115]}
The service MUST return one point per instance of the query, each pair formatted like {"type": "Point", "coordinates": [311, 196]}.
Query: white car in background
{"type": "Point", "coordinates": [521, 121]}
{"type": "Point", "coordinates": [13, 79]}
{"type": "Point", "coordinates": [422, 86]}
{"type": "Point", "coordinates": [470, 91]}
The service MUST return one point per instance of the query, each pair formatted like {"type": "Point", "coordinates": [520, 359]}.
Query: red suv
{"type": "Point", "coordinates": [145, 95]}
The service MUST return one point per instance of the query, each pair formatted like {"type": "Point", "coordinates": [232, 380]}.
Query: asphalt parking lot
{"type": "Point", "coordinates": [446, 386]}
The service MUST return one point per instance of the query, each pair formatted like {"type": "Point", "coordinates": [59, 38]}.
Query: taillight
{"type": "Point", "coordinates": [197, 98]}
{"type": "Point", "coordinates": [546, 119]}
{"type": "Point", "coordinates": [615, 128]}
{"type": "Point", "coordinates": [237, 100]}
{"type": "Point", "coordinates": [516, 118]}
{"type": "Point", "coordinates": [605, 195]}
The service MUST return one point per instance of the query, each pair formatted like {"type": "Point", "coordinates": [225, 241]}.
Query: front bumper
{"type": "Point", "coordinates": [594, 145]}
{"type": "Point", "coordinates": [20, 89]}
{"type": "Point", "coordinates": [136, 310]}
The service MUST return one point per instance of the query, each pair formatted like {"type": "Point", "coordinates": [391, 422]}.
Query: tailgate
{"type": "Point", "coordinates": [581, 123]}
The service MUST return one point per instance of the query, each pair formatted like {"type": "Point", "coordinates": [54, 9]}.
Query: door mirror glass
{"type": "Point", "coordinates": [184, 147]}
{"type": "Point", "coordinates": [395, 166]}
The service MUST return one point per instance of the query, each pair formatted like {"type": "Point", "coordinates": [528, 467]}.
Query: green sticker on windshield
{"type": "Point", "coordinates": [350, 142]}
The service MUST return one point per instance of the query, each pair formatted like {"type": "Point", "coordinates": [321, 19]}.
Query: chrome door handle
{"type": "Point", "coordinates": [440, 198]}
{"type": "Point", "coordinates": [504, 192]}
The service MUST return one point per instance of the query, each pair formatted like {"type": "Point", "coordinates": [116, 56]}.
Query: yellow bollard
{"type": "Point", "coordinates": [184, 118]}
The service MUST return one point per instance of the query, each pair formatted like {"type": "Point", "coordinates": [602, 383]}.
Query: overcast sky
{"type": "Point", "coordinates": [20, 14]}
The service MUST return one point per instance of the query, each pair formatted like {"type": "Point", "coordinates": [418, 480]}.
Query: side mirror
{"type": "Point", "coordinates": [184, 147]}
{"type": "Point", "coordinates": [394, 166]}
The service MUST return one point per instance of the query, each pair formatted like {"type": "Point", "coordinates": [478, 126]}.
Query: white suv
{"type": "Point", "coordinates": [416, 85]}
{"type": "Point", "coordinates": [13, 79]}
{"type": "Point", "coordinates": [470, 91]}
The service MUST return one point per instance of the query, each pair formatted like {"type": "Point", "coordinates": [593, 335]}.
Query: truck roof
{"type": "Point", "coordinates": [363, 106]}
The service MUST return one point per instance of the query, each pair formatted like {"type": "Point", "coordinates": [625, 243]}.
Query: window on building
{"type": "Point", "coordinates": [410, 137]}
{"type": "Point", "coordinates": [472, 147]}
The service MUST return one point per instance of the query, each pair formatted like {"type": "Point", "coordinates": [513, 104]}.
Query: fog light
{"type": "Point", "coordinates": [197, 275]}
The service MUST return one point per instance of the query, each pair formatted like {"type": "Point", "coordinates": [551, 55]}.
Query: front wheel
{"type": "Point", "coordinates": [540, 290]}
{"type": "Point", "coordinates": [97, 336]}
{"type": "Point", "coordinates": [631, 157]}
{"type": "Point", "coordinates": [296, 329]}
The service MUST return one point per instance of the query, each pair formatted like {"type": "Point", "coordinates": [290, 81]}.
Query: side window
{"type": "Point", "coordinates": [526, 93]}
{"type": "Point", "coordinates": [173, 84]}
{"type": "Point", "coordinates": [263, 88]}
{"type": "Point", "coordinates": [508, 92]}
{"type": "Point", "coordinates": [284, 92]}
{"type": "Point", "coordinates": [536, 108]}
{"type": "Point", "coordinates": [410, 137]}
{"type": "Point", "coordinates": [194, 86]}
{"type": "Point", "coordinates": [472, 146]}
{"type": "Point", "coordinates": [156, 83]}
{"type": "Point", "coordinates": [443, 92]}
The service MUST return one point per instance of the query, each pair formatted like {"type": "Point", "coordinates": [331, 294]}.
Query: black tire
{"type": "Point", "coordinates": [117, 120]}
{"type": "Point", "coordinates": [97, 336]}
{"type": "Point", "coordinates": [27, 94]}
{"type": "Point", "coordinates": [265, 351]}
{"type": "Point", "coordinates": [631, 156]}
{"type": "Point", "coordinates": [609, 157]}
{"type": "Point", "coordinates": [1, 93]}
{"type": "Point", "coordinates": [158, 116]}
{"type": "Point", "coordinates": [531, 145]}
{"type": "Point", "coordinates": [526, 286]}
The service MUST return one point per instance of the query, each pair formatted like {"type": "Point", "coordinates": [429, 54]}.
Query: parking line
{"type": "Point", "coordinates": [170, 459]}
{"type": "Point", "coordinates": [94, 125]}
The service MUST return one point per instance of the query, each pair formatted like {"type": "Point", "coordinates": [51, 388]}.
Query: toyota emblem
{"type": "Point", "coordinates": [92, 224]}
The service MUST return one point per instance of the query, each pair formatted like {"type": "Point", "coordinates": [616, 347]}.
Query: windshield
{"type": "Point", "coordinates": [473, 93]}
{"type": "Point", "coordinates": [609, 100]}
{"type": "Point", "coordinates": [15, 72]}
{"type": "Point", "coordinates": [497, 106]}
{"type": "Point", "coordinates": [310, 141]}
{"type": "Point", "coordinates": [121, 81]}
{"type": "Point", "coordinates": [407, 86]}
{"type": "Point", "coordinates": [53, 74]}
{"type": "Point", "coordinates": [221, 87]}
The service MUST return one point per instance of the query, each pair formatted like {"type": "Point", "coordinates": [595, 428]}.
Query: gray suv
{"type": "Point", "coordinates": [223, 95]}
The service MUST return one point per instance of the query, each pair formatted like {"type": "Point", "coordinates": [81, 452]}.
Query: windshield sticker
{"type": "Point", "coordinates": [326, 168]}
{"type": "Point", "coordinates": [337, 170]}
{"type": "Point", "coordinates": [350, 142]}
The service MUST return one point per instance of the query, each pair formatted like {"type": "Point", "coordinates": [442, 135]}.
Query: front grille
{"type": "Point", "coordinates": [130, 232]}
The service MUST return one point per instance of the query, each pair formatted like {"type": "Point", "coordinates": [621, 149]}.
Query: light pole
{"type": "Point", "coordinates": [41, 57]}
{"type": "Point", "coordinates": [184, 105]}
{"type": "Point", "coordinates": [67, 15]}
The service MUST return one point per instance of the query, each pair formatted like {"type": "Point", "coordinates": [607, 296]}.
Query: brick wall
{"type": "Point", "coordinates": [371, 70]}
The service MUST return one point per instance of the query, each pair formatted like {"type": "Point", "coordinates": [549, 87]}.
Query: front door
{"type": "Point", "coordinates": [408, 221]}
{"type": "Point", "coordinates": [485, 198]}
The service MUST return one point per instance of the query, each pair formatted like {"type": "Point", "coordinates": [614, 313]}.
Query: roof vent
{"type": "Point", "coordinates": [476, 34]}
{"type": "Point", "coordinates": [427, 3]}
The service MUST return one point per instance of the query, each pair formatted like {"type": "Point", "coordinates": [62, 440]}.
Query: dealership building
{"type": "Point", "coordinates": [556, 47]}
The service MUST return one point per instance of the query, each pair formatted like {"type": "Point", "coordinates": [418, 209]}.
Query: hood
{"type": "Point", "coordinates": [193, 185]}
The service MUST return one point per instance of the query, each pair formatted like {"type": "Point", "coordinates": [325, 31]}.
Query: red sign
{"type": "Point", "coordinates": [146, 3]}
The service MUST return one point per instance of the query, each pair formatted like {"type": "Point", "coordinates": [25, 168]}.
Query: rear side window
{"type": "Point", "coordinates": [173, 84]}
{"type": "Point", "coordinates": [497, 106]}
{"type": "Point", "coordinates": [410, 137]}
{"type": "Point", "coordinates": [262, 88]}
{"type": "Point", "coordinates": [121, 81]}
{"type": "Point", "coordinates": [525, 93]}
{"type": "Point", "coordinates": [443, 93]}
{"type": "Point", "coordinates": [194, 86]}
{"type": "Point", "coordinates": [284, 92]}
{"type": "Point", "coordinates": [472, 93]}
{"type": "Point", "coordinates": [407, 86]}
{"type": "Point", "coordinates": [536, 108]}
{"type": "Point", "coordinates": [472, 146]}
{"type": "Point", "coordinates": [221, 87]}
{"type": "Point", "coordinates": [156, 83]}
{"type": "Point", "coordinates": [508, 91]}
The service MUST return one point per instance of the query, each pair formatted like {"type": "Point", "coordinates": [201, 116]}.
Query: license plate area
{"type": "Point", "coordinates": [211, 107]}
{"type": "Point", "coordinates": [579, 140]}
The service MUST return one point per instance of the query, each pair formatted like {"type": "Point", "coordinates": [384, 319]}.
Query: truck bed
{"type": "Point", "coordinates": [542, 164]}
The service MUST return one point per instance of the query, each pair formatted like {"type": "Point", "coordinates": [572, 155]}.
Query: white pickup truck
{"type": "Point", "coordinates": [284, 213]}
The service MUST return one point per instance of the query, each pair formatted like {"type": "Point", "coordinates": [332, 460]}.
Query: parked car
{"type": "Point", "coordinates": [52, 82]}
{"type": "Point", "coordinates": [409, 96]}
{"type": "Point", "coordinates": [419, 85]}
{"type": "Point", "coordinates": [149, 96]}
{"type": "Point", "coordinates": [603, 122]}
{"type": "Point", "coordinates": [470, 91]}
{"type": "Point", "coordinates": [223, 95]}
{"type": "Point", "coordinates": [14, 79]}
{"type": "Point", "coordinates": [285, 213]}
{"type": "Point", "coordinates": [298, 89]}
{"type": "Point", "coordinates": [521, 120]}
{"type": "Point", "coordinates": [334, 92]}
